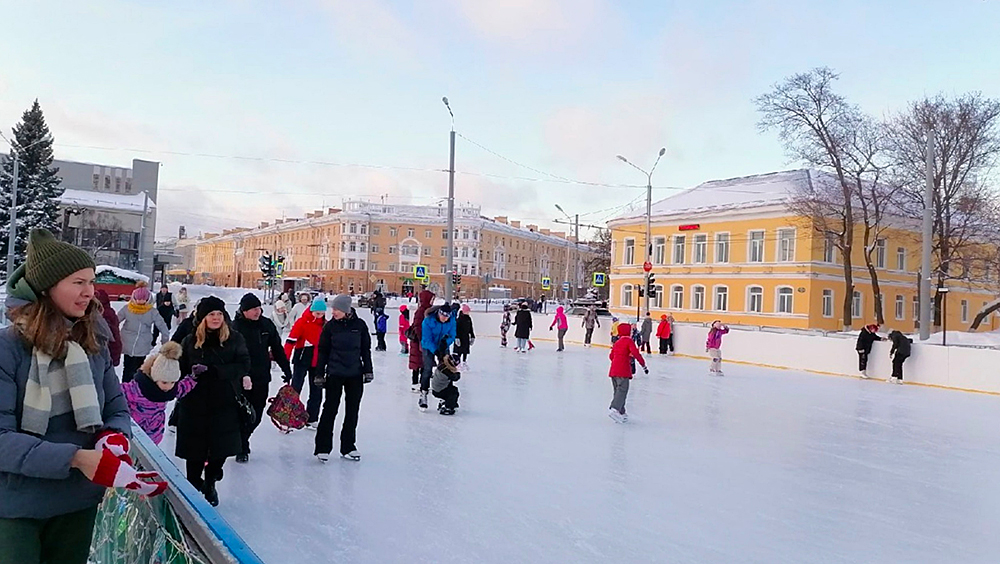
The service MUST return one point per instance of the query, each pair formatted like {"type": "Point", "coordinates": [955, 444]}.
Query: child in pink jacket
{"type": "Point", "coordinates": [562, 324]}
{"type": "Point", "coordinates": [404, 325]}
{"type": "Point", "coordinates": [154, 385]}
{"type": "Point", "coordinates": [713, 346]}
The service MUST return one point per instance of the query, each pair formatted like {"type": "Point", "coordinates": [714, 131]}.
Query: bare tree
{"type": "Point", "coordinates": [600, 260]}
{"type": "Point", "coordinates": [966, 148]}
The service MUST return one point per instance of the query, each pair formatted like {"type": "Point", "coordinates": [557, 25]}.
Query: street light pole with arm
{"type": "Point", "coordinates": [649, 208]}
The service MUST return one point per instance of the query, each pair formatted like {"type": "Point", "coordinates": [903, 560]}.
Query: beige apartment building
{"type": "Point", "coordinates": [363, 246]}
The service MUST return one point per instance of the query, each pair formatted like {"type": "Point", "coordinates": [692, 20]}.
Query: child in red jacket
{"type": "Point", "coordinates": [622, 352]}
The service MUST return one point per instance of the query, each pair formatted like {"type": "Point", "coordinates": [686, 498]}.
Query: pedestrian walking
{"type": "Point", "coordinates": [624, 354]}
{"type": "Point", "coordinates": [437, 333]}
{"type": "Point", "coordinates": [522, 322]}
{"type": "Point", "coordinates": [156, 383]}
{"type": "Point", "coordinates": [138, 319]}
{"type": "Point", "coordinates": [416, 360]}
{"type": "Point", "coordinates": [208, 420]}
{"type": "Point", "coordinates": [615, 323]}
{"type": "Point", "coordinates": [867, 336]}
{"type": "Point", "coordinates": [505, 324]}
{"type": "Point", "coordinates": [60, 451]}
{"type": "Point", "coordinates": [646, 333]}
{"type": "Point", "coordinates": [590, 321]}
{"type": "Point", "coordinates": [345, 366]}
{"type": "Point", "coordinates": [183, 304]}
{"type": "Point", "coordinates": [713, 346]}
{"type": "Point", "coordinates": [665, 335]}
{"type": "Point", "coordinates": [281, 318]}
{"type": "Point", "coordinates": [302, 346]}
{"type": "Point", "coordinates": [263, 344]}
{"type": "Point", "coordinates": [115, 344]}
{"type": "Point", "coordinates": [165, 307]}
{"type": "Point", "coordinates": [300, 308]}
{"type": "Point", "coordinates": [404, 326]}
{"type": "Point", "coordinates": [465, 334]}
{"type": "Point", "coordinates": [381, 327]}
{"type": "Point", "coordinates": [901, 345]}
{"type": "Point", "coordinates": [562, 325]}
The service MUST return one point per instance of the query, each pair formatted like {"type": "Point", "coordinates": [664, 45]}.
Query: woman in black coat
{"type": "Point", "coordinates": [465, 334]}
{"type": "Point", "coordinates": [208, 424]}
{"type": "Point", "coordinates": [523, 332]}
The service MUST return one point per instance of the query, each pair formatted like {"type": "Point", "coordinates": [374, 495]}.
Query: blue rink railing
{"type": "Point", "coordinates": [178, 527]}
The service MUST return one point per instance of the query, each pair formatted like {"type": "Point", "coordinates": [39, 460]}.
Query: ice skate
{"type": "Point", "coordinates": [864, 375]}
{"type": "Point", "coordinates": [624, 417]}
{"type": "Point", "coordinates": [447, 411]}
{"type": "Point", "coordinates": [422, 402]}
{"type": "Point", "coordinates": [415, 388]}
{"type": "Point", "coordinates": [323, 456]}
{"type": "Point", "coordinates": [615, 416]}
{"type": "Point", "coordinates": [353, 455]}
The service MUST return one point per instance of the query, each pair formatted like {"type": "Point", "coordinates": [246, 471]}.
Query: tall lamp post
{"type": "Point", "coordinates": [649, 208]}
{"type": "Point", "coordinates": [576, 250]}
{"type": "Point", "coordinates": [450, 263]}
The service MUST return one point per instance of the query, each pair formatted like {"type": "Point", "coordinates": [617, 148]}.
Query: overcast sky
{"type": "Point", "coordinates": [557, 86]}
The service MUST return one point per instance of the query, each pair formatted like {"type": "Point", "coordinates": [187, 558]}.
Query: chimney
{"type": "Point", "coordinates": [545, 231]}
{"type": "Point", "coordinates": [331, 211]}
{"type": "Point", "coordinates": [532, 228]}
{"type": "Point", "coordinates": [501, 219]}
{"type": "Point", "coordinates": [515, 224]}
{"type": "Point", "coordinates": [181, 232]}
{"type": "Point", "coordinates": [263, 225]}
{"type": "Point", "coordinates": [279, 221]}
{"type": "Point", "coordinates": [560, 234]}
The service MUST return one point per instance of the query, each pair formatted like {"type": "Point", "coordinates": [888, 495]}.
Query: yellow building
{"type": "Point", "coordinates": [731, 250]}
{"type": "Point", "coordinates": [365, 245]}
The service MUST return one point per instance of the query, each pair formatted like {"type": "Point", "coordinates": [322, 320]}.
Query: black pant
{"type": "Point", "coordinates": [588, 335]}
{"type": "Point", "coordinates": [381, 341]}
{"type": "Point", "coordinates": [415, 376]}
{"type": "Point", "coordinates": [302, 371]}
{"type": "Point", "coordinates": [63, 538]}
{"type": "Point", "coordinates": [168, 317]}
{"type": "Point", "coordinates": [667, 344]}
{"type": "Point", "coordinates": [449, 395]}
{"type": "Point", "coordinates": [257, 396]}
{"type": "Point", "coordinates": [352, 389]}
{"type": "Point", "coordinates": [663, 346]}
{"type": "Point", "coordinates": [427, 371]}
{"type": "Point", "coordinates": [897, 365]}
{"type": "Point", "coordinates": [213, 471]}
{"type": "Point", "coordinates": [862, 360]}
{"type": "Point", "coordinates": [645, 346]}
{"type": "Point", "coordinates": [130, 366]}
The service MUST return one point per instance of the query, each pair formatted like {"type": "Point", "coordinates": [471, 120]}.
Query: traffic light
{"type": "Point", "coordinates": [651, 285]}
{"type": "Point", "coordinates": [456, 278]}
{"type": "Point", "coordinates": [265, 264]}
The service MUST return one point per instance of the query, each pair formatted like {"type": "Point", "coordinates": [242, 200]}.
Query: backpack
{"type": "Point", "coordinates": [286, 410]}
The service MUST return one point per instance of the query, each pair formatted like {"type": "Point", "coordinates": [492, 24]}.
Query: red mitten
{"type": "Point", "coordinates": [116, 443]}
{"type": "Point", "coordinates": [113, 472]}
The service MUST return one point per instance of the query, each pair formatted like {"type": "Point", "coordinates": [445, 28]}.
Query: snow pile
{"type": "Point", "coordinates": [122, 273]}
{"type": "Point", "coordinates": [103, 200]}
{"type": "Point", "coordinates": [962, 338]}
{"type": "Point", "coordinates": [196, 292]}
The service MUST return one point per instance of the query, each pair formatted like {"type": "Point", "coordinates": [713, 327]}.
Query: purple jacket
{"type": "Point", "coordinates": [150, 414]}
{"type": "Point", "coordinates": [560, 322]}
{"type": "Point", "coordinates": [715, 338]}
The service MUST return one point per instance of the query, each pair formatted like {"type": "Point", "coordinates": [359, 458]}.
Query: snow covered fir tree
{"type": "Point", "coordinates": [38, 187]}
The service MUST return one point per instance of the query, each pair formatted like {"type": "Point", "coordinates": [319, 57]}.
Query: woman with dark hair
{"type": "Point", "coordinates": [523, 332]}
{"type": "Point", "coordinates": [208, 418]}
{"type": "Point", "coordinates": [115, 344]}
{"type": "Point", "coordinates": [64, 422]}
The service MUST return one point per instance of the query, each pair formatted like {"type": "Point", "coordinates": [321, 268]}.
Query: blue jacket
{"type": "Point", "coordinates": [380, 323]}
{"type": "Point", "coordinates": [36, 480]}
{"type": "Point", "coordinates": [433, 331]}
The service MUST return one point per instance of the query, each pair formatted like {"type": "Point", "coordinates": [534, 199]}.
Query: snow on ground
{"type": "Point", "coordinates": [759, 466]}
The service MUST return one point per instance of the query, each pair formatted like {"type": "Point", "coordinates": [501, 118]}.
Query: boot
{"type": "Point", "coordinates": [211, 494]}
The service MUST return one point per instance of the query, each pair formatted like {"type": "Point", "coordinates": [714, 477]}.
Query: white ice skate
{"type": "Point", "coordinates": [422, 402]}
{"type": "Point", "coordinates": [353, 455]}
{"type": "Point", "coordinates": [312, 426]}
{"type": "Point", "coordinates": [615, 416]}
{"type": "Point", "coordinates": [624, 417]}
{"type": "Point", "coordinates": [864, 375]}
{"type": "Point", "coordinates": [415, 388]}
{"type": "Point", "coordinates": [323, 456]}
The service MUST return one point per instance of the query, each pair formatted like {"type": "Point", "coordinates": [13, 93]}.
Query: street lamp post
{"type": "Point", "coordinates": [943, 292]}
{"type": "Point", "coordinates": [576, 250]}
{"type": "Point", "coordinates": [450, 263]}
{"type": "Point", "coordinates": [649, 208]}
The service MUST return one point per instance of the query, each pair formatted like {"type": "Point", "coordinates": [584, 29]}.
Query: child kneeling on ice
{"type": "Point", "coordinates": [157, 382]}
{"type": "Point", "coordinates": [443, 383]}
{"type": "Point", "coordinates": [622, 354]}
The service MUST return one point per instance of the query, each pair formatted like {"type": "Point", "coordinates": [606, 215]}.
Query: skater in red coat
{"type": "Point", "coordinates": [622, 353]}
{"type": "Point", "coordinates": [416, 360]}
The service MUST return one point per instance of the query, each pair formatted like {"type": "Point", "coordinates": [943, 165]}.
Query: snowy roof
{"type": "Point", "coordinates": [743, 192]}
{"type": "Point", "coordinates": [121, 273]}
{"type": "Point", "coordinates": [104, 200]}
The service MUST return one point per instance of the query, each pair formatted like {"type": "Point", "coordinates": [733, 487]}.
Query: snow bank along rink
{"type": "Point", "coordinates": [761, 465]}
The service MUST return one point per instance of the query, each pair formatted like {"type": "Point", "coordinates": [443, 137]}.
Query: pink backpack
{"type": "Point", "coordinates": [286, 410]}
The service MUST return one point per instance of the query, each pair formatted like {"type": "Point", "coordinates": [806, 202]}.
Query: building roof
{"type": "Point", "coordinates": [104, 200]}
{"type": "Point", "coordinates": [754, 191]}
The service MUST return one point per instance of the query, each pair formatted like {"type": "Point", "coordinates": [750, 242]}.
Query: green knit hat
{"type": "Point", "coordinates": [50, 260]}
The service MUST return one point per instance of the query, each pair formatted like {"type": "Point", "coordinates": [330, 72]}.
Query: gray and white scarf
{"type": "Point", "coordinates": [56, 387]}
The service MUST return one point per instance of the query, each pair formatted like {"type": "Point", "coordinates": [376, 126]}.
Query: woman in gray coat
{"type": "Point", "coordinates": [138, 319]}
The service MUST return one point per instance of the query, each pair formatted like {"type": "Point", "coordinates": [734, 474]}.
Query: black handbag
{"type": "Point", "coordinates": [248, 416]}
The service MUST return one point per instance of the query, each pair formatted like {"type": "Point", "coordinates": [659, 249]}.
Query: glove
{"type": "Point", "coordinates": [455, 376]}
{"type": "Point", "coordinates": [287, 378]}
{"type": "Point", "coordinates": [320, 380]}
{"type": "Point", "coordinates": [116, 443]}
{"type": "Point", "coordinates": [550, 328]}
{"type": "Point", "coordinates": [368, 377]}
{"type": "Point", "coordinates": [113, 472]}
{"type": "Point", "coordinates": [472, 341]}
{"type": "Point", "coordinates": [198, 370]}
{"type": "Point", "coordinates": [645, 369]}
{"type": "Point", "coordinates": [247, 383]}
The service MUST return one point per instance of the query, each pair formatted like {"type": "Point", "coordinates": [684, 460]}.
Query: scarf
{"type": "Point", "coordinates": [56, 387]}
{"type": "Point", "coordinates": [139, 309]}
{"type": "Point", "coordinates": [152, 392]}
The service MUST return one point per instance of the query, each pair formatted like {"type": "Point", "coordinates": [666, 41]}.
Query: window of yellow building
{"type": "Point", "coordinates": [756, 249]}
{"type": "Point", "coordinates": [721, 298]}
{"type": "Point", "coordinates": [722, 247]}
{"type": "Point", "coordinates": [679, 250]}
{"type": "Point", "coordinates": [700, 249]}
{"type": "Point", "coordinates": [786, 245]}
{"type": "Point", "coordinates": [698, 298]}
{"type": "Point", "coordinates": [755, 299]}
{"type": "Point", "coordinates": [785, 296]}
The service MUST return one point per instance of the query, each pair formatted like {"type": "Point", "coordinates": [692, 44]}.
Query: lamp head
{"type": "Point", "coordinates": [622, 159]}
{"type": "Point", "coordinates": [663, 151]}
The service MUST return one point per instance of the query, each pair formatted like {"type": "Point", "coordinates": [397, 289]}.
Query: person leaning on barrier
{"type": "Point", "coordinates": [64, 422]}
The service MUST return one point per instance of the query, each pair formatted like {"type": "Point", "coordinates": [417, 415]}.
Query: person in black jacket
{"type": "Point", "coordinates": [465, 334]}
{"type": "Point", "coordinates": [208, 422]}
{"type": "Point", "coordinates": [867, 336]}
{"type": "Point", "coordinates": [263, 344]}
{"type": "Point", "coordinates": [345, 358]}
{"type": "Point", "coordinates": [523, 332]}
{"type": "Point", "coordinates": [899, 353]}
{"type": "Point", "coordinates": [165, 307]}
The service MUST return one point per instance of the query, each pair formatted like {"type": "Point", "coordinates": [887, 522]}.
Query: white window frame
{"type": "Point", "coordinates": [750, 299]}
{"type": "Point", "coordinates": [880, 252]}
{"type": "Point", "coordinates": [722, 257]}
{"type": "Point", "coordinates": [677, 297]}
{"type": "Point", "coordinates": [829, 250]}
{"type": "Point", "coordinates": [694, 295]}
{"type": "Point", "coordinates": [857, 305]}
{"type": "Point", "coordinates": [901, 259]}
{"type": "Point", "coordinates": [753, 244]}
{"type": "Point", "coordinates": [659, 250]}
{"type": "Point", "coordinates": [716, 294]}
{"type": "Point", "coordinates": [965, 311]}
{"type": "Point", "coordinates": [627, 293]}
{"type": "Point", "coordinates": [629, 248]}
{"type": "Point", "coordinates": [657, 301]}
{"type": "Point", "coordinates": [699, 252]}
{"type": "Point", "coordinates": [900, 307]}
{"type": "Point", "coordinates": [784, 246]}
{"type": "Point", "coordinates": [827, 302]}
{"type": "Point", "coordinates": [916, 308]}
{"type": "Point", "coordinates": [682, 240]}
{"type": "Point", "coordinates": [778, 294]}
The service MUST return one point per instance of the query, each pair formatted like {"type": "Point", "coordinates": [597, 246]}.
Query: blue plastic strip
{"type": "Point", "coordinates": [179, 484]}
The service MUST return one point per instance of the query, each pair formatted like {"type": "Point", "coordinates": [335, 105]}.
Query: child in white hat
{"type": "Point", "coordinates": [157, 382]}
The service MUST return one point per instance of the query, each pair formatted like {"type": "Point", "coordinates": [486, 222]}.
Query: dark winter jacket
{"type": "Point", "coordinates": [209, 420]}
{"type": "Point", "coordinates": [434, 334]}
{"type": "Point", "coordinates": [35, 476]}
{"type": "Point", "coordinates": [345, 347]}
{"type": "Point", "coordinates": [165, 304]}
{"type": "Point", "coordinates": [523, 322]}
{"type": "Point", "coordinates": [900, 344]}
{"type": "Point", "coordinates": [865, 340]}
{"type": "Point", "coordinates": [425, 299]}
{"type": "Point", "coordinates": [464, 333]}
{"type": "Point", "coordinates": [115, 344]}
{"type": "Point", "coordinates": [263, 344]}
{"type": "Point", "coordinates": [185, 328]}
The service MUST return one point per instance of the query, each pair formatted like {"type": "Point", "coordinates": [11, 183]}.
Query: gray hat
{"type": "Point", "coordinates": [342, 303]}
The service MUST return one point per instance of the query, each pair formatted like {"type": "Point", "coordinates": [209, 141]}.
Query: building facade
{"type": "Point", "coordinates": [363, 246]}
{"type": "Point", "coordinates": [731, 250]}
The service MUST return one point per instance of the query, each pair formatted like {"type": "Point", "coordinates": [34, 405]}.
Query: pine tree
{"type": "Point", "coordinates": [39, 185]}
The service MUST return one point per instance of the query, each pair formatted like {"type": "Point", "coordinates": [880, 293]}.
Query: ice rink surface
{"type": "Point", "coordinates": [761, 465]}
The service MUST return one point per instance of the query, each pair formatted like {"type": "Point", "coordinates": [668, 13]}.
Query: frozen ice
{"type": "Point", "coordinates": [761, 465]}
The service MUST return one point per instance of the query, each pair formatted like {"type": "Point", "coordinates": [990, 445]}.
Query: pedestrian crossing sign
{"type": "Point", "coordinates": [419, 271]}
{"type": "Point", "coordinates": [600, 279]}
{"type": "Point", "coordinates": [546, 283]}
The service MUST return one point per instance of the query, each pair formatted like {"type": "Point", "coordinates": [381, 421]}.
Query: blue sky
{"type": "Point", "coordinates": [560, 86]}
